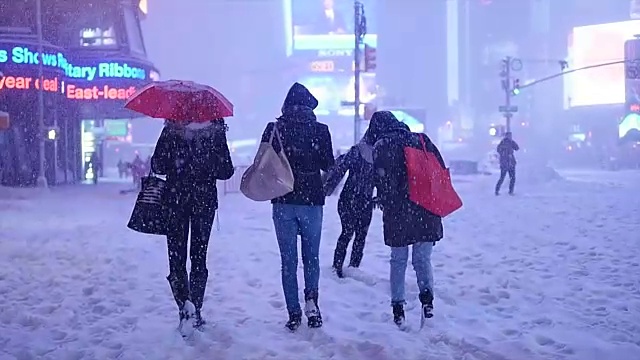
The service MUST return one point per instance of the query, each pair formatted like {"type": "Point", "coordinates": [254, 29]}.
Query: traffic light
{"type": "Point", "coordinates": [369, 58]}
{"type": "Point", "coordinates": [516, 87]}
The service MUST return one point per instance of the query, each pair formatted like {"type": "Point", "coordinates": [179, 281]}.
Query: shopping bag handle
{"type": "Point", "coordinates": [424, 145]}
{"type": "Point", "coordinates": [275, 132]}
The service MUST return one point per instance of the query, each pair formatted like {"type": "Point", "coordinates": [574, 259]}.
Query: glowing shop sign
{"type": "Point", "coordinates": [23, 55]}
{"type": "Point", "coordinates": [105, 92]}
{"type": "Point", "coordinates": [27, 83]}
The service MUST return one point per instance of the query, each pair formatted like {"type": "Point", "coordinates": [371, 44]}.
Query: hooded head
{"type": "Point", "coordinates": [299, 104]}
{"type": "Point", "coordinates": [381, 123]}
{"type": "Point", "coordinates": [299, 95]}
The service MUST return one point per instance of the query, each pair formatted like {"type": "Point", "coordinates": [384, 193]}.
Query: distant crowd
{"type": "Point", "coordinates": [136, 169]}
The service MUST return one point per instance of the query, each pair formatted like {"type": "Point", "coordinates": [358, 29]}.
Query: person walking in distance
{"type": "Point", "coordinates": [506, 150]}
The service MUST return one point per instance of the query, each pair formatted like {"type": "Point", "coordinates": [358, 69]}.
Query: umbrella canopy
{"type": "Point", "coordinates": [181, 101]}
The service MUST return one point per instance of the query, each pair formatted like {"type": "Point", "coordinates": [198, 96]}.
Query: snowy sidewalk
{"type": "Point", "coordinates": [552, 273]}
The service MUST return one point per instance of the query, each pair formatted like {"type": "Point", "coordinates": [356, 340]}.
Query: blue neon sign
{"type": "Point", "coordinates": [23, 55]}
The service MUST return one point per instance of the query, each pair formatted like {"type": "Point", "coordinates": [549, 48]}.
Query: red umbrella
{"type": "Point", "coordinates": [180, 101]}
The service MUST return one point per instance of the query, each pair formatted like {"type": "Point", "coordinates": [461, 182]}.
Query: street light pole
{"type": "Point", "coordinates": [359, 31]}
{"type": "Point", "coordinates": [507, 93]}
{"type": "Point", "coordinates": [42, 179]}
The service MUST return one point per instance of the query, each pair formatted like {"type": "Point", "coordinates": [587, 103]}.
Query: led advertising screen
{"type": "Point", "coordinates": [328, 24]}
{"type": "Point", "coordinates": [332, 89]}
{"type": "Point", "coordinates": [592, 45]}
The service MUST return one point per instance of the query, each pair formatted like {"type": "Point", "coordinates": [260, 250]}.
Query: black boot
{"type": "Point", "coordinates": [295, 319]}
{"type": "Point", "coordinates": [426, 299]}
{"type": "Point", "coordinates": [312, 311]}
{"type": "Point", "coordinates": [398, 313]}
{"type": "Point", "coordinates": [197, 286]}
{"type": "Point", "coordinates": [198, 321]}
{"type": "Point", "coordinates": [338, 272]}
{"type": "Point", "coordinates": [179, 287]}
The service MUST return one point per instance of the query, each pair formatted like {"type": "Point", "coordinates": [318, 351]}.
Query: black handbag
{"type": "Point", "coordinates": [150, 213]}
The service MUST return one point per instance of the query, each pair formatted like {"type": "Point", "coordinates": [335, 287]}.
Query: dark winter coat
{"type": "Point", "coordinates": [193, 160]}
{"type": "Point", "coordinates": [506, 150]}
{"type": "Point", "coordinates": [357, 193]}
{"type": "Point", "coordinates": [404, 222]}
{"type": "Point", "coordinates": [307, 145]}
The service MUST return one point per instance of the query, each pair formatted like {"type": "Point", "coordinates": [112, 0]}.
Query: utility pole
{"type": "Point", "coordinates": [42, 179]}
{"type": "Point", "coordinates": [360, 30]}
{"type": "Point", "coordinates": [510, 86]}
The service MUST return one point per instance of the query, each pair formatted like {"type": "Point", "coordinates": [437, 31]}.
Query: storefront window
{"type": "Point", "coordinates": [18, 16]}
{"type": "Point", "coordinates": [134, 35]}
{"type": "Point", "coordinates": [98, 37]}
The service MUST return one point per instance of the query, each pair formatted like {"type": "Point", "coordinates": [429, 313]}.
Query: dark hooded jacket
{"type": "Point", "coordinates": [404, 222]}
{"type": "Point", "coordinates": [193, 160]}
{"type": "Point", "coordinates": [307, 145]}
{"type": "Point", "coordinates": [506, 152]}
{"type": "Point", "coordinates": [357, 193]}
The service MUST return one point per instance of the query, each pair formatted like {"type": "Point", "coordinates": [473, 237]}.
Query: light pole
{"type": "Point", "coordinates": [42, 179]}
{"type": "Point", "coordinates": [510, 86]}
{"type": "Point", "coordinates": [359, 31]}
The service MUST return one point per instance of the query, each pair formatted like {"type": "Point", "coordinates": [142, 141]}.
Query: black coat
{"type": "Point", "coordinates": [193, 162]}
{"type": "Point", "coordinates": [307, 145]}
{"type": "Point", "coordinates": [357, 193]}
{"type": "Point", "coordinates": [405, 223]}
{"type": "Point", "coordinates": [506, 150]}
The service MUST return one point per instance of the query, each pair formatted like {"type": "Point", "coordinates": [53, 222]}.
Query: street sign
{"type": "Point", "coordinates": [516, 64]}
{"type": "Point", "coordinates": [508, 109]}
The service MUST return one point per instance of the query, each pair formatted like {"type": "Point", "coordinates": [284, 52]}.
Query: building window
{"type": "Point", "coordinates": [18, 16]}
{"type": "Point", "coordinates": [98, 37]}
{"type": "Point", "coordinates": [134, 35]}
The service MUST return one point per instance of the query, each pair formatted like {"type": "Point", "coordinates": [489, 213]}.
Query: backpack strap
{"type": "Point", "coordinates": [424, 145]}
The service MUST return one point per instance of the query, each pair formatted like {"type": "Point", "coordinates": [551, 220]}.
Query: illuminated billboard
{"type": "Point", "coordinates": [592, 45]}
{"type": "Point", "coordinates": [320, 38]}
{"type": "Point", "coordinates": [327, 24]}
{"type": "Point", "coordinates": [332, 89]}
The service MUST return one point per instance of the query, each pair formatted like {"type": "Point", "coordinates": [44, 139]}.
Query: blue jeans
{"type": "Point", "coordinates": [289, 222]}
{"type": "Point", "coordinates": [421, 260]}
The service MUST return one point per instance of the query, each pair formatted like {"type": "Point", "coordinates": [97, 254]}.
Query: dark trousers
{"type": "Point", "coordinates": [198, 216]}
{"type": "Point", "coordinates": [512, 178]}
{"type": "Point", "coordinates": [355, 221]}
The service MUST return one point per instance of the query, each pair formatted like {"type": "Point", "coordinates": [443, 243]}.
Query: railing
{"type": "Point", "coordinates": [232, 186]}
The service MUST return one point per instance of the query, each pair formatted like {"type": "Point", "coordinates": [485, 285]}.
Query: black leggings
{"type": "Point", "coordinates": [198, 217]}
{"type": "Point", "coordinates": [355, 221]}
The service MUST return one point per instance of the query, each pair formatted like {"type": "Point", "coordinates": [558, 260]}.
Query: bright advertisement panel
{"type": "Point", "coordinates": [328, 24]}
{"type": "Point", "coordinates": [331, 89]}
{"type": "Point", "coordinates": [320, 40]}
{"type": "Point", "coordinates": [592, 45]}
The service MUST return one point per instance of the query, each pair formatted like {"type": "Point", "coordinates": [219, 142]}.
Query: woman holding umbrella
{"type": "Point", "coordinates": [192, 152]}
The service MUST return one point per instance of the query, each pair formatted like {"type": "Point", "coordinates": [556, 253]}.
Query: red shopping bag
{"type": "Point", "coordinates": [429, 183]}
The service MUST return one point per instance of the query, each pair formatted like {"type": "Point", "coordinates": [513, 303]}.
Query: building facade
{"type": "Point", "coordinates": [93, 58]}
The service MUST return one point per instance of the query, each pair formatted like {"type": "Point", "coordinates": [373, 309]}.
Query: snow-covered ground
{"type": "Point", "coordinates": [553, 273]}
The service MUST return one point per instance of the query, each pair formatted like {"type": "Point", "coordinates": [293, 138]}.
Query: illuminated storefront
{"type": "Point", "coordinates": [85, 85]}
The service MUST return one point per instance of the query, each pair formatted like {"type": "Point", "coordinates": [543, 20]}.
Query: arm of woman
{"type": "Point", "coordinates": [161, 161]}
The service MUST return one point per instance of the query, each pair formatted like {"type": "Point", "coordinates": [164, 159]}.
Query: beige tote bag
{"type": "Point", "coordinates": [270, 176]}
